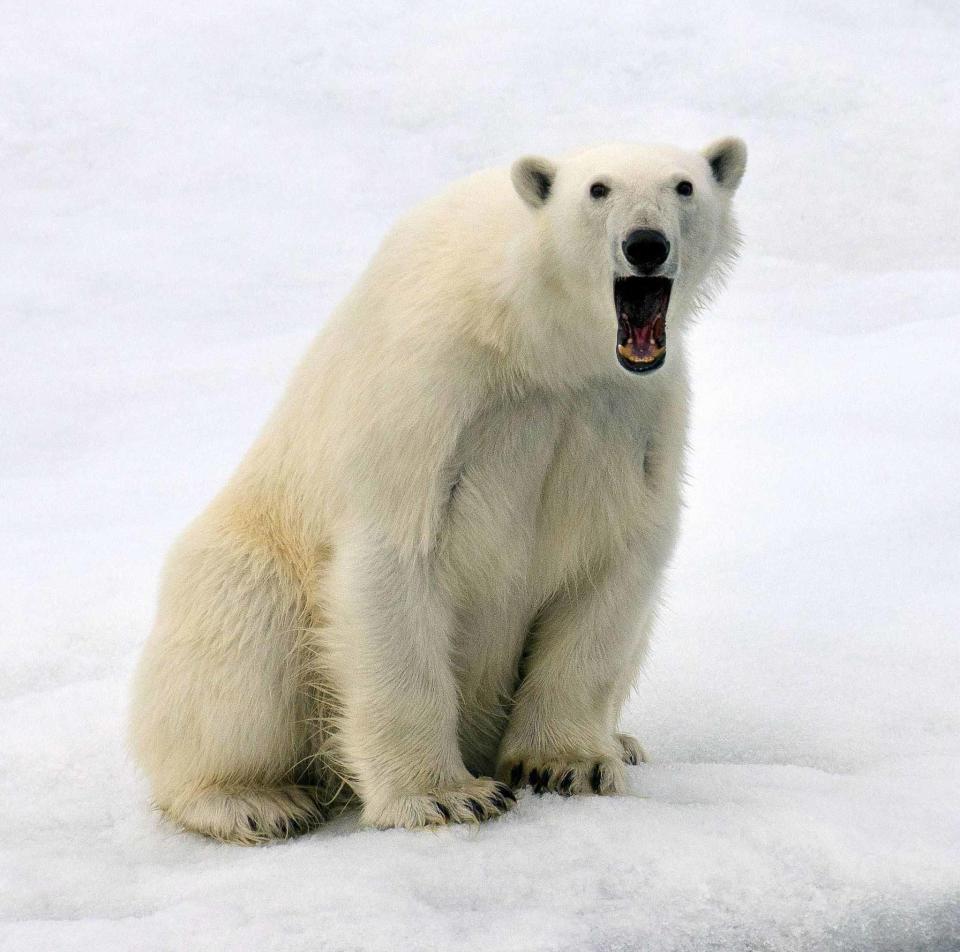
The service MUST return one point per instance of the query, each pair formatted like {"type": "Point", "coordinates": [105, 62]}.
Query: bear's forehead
{"type": "Point", "coordinates": [630, 160]}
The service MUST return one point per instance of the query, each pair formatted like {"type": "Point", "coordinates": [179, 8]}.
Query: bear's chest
{"type": "Point", "coordinates": [545, 490]}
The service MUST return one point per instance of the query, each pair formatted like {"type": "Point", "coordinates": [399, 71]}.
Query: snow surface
{"type": "Point", "coordinates": [185, 191]}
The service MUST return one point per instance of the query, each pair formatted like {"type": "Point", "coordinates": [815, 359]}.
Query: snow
{"type": "Point", "coordinates": [186, 189]}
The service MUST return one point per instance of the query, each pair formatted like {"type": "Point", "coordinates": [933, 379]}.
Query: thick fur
{"type": "Point", "coordinates": [442, 556]}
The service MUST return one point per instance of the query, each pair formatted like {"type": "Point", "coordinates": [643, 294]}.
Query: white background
{"type": "Point", "coordinates": [185, 191]}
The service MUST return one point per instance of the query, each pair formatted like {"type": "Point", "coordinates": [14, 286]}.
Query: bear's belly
{"type": "Point", "coordinates": [546, 492]}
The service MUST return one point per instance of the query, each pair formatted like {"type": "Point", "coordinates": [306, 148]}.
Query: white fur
{"type": "Point", "coordinates": [460, 487]}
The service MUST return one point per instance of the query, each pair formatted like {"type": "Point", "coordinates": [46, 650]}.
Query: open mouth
{"type": "Point", "coordinates": [642, 318]}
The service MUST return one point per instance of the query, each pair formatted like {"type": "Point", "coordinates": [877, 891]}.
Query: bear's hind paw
{"type": "Point", "coordinates": [250, 816]}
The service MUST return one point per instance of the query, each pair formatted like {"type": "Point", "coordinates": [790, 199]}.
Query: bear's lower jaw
{"type": "Point", "coordinates": [641, 305]}
{"type": "Point", "coordinates": [635, 362]}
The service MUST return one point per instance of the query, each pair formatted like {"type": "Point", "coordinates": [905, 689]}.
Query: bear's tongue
{"type": "Point", "coordinates": [642, 318]}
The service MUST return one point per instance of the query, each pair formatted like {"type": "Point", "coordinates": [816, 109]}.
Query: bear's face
{"type": "Point", "coordinates": [637, 234]}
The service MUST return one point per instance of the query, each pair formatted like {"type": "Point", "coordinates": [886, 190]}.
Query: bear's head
{"type": "Point", "coordinates": [638, 236]}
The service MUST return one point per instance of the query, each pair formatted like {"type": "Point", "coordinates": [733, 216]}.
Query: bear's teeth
{"type": "Point", "coordinates": [627, 351]}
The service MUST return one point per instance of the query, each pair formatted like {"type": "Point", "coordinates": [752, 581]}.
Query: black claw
{"type": "Point", "coordinates": [475, 807]}
{"type": "Point", "coordinates": [595, 778]}
{"type": "Point", "coordinates": [504, 791]}
{"type": "Point", "coordinates": [516, 774]}
{"type": "Point", "coordinates": [566, 782]}
{"type": "Point", "coordinates": [534, 777]}
{"type": "Point", "coordinates": [499, 802]}
{"type": "Point", "coordinates": [545, 779]}
{"type": "Point", "coordinates": [252, 823]}
{"type": "Point", "coordinates": [444, 812]}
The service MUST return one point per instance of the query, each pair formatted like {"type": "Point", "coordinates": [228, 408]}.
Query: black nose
{"type": "Point", "coordinates": [646, 249]}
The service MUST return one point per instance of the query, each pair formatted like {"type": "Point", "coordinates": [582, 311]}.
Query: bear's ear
{"type": "Point", "coordinates": [728, 161]}
{"type": "Point", "coordinates": [533, 178]}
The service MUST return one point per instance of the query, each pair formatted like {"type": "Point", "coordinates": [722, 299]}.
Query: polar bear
{"type": "Point", "coordinates": [431, 581]}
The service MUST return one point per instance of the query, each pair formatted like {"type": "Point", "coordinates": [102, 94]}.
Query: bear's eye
{"type": "Point", "coordinates": [685, 188]}
{"type": "Point", "coordinates": [599, 190]}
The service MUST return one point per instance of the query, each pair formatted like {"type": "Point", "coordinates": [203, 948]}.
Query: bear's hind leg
{"type": "Point", "coordinates": [221, 722]}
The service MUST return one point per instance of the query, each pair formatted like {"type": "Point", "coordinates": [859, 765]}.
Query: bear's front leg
{"type": "Point", "coordinates": [386, 651]}
{"type": "Point", "coordinates": [586, 650]}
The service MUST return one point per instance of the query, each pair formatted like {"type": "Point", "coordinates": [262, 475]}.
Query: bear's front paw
{"type": "Point", "coordinates": [633, 753]}
{"type": "Point", "coordinates": [565, 775]}
{"type": "Point", "coordinates": [471, 802]}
